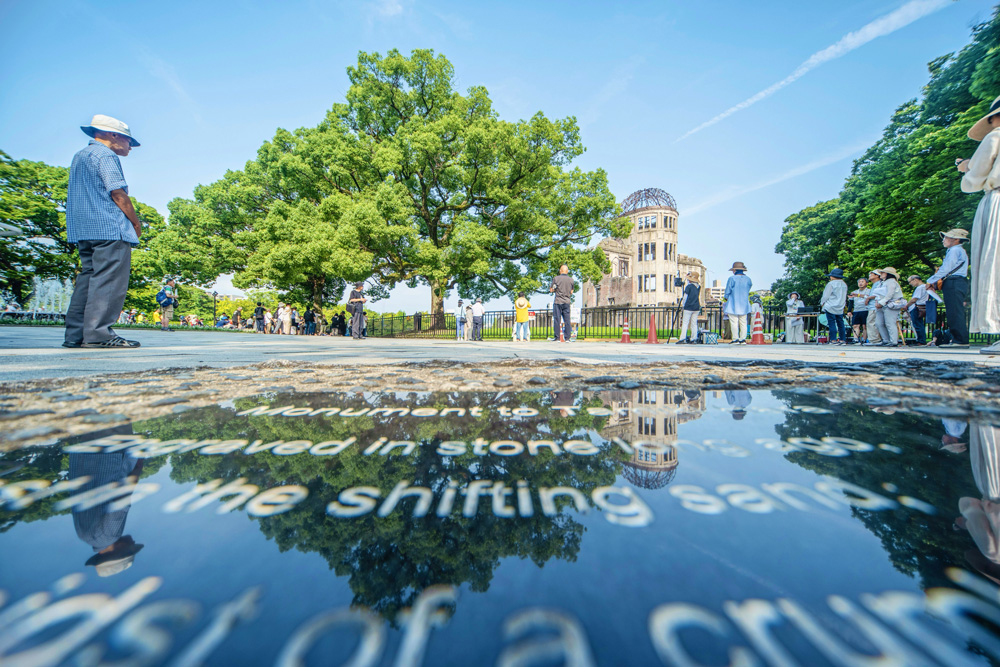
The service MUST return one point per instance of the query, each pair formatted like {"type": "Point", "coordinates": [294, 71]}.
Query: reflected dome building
{"type": "Point", "coordinates": [644, 266]}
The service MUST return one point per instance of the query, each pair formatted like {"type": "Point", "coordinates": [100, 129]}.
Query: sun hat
{"type": "Point", "coordinates": [797, 295]}
{"type": "Point", "coordinates": [891, 271]}
{"type": "Point", "coordinates": [479, 300]}
{"type": "Point", "coordinates": [102, 123]}
{"type": "Point", "coordinates": [960, 234]}
{"type": "Point", "coordinates": [982, 127]}
{"type": "Point", "coordinates": [738, 266]}
{"type": "Point", "coordinates": [836, 273]}
{"type": "Point", "coordinates": [117, 560]}
{"type": "Point", "coordinates": [913, 277]}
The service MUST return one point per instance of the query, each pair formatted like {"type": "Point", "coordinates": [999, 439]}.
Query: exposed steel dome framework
{"type": "Point", "coordinates": [648, 197]}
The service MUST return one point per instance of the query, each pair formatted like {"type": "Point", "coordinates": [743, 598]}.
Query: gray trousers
{"type": "Point", "coordinates": [100, 289]}
{"type": "Point", "coordinates": [357, 323]}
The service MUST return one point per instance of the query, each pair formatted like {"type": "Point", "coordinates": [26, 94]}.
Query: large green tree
{"type": "Point", "coordinates": [904, 189]}
{"type": "Point", "coordinates": [33, 198]}
{"type": "Point", "coordinates": [408, 181]}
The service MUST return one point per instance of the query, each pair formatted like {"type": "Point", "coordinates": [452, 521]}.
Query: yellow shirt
{"type": "Point", "coordinates": [521, 307]}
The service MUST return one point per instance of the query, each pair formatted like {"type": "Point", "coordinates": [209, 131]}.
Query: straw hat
{"type": "Point", "coordinates": [982, 127]}
{"type": "Point", "coordinates": [738, 266]}
{"type": "Point", "coordinates": [891, 271]}
{"type": "Point", "coordinates": [960, 234]}
{"type": "Point", "coordinates": [102, 123]}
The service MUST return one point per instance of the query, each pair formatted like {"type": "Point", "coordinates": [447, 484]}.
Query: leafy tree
{"type": "Point", "coordinates": [33, 197]}
{"type": "Point", "coordinates": [904, 189]}
{"type": "Point", "coordinates": [409, 181]}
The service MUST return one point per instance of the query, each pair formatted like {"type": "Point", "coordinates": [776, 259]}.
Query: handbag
{"type": "Point", "coordinates": [896, 304]}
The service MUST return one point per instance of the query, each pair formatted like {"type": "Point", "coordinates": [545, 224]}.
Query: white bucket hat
{"type": "Point", "coordinates": [982, 127]}
{"type": "Point", "coordinates": [108, 124]}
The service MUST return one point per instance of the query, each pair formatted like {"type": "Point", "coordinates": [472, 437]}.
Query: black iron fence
{"type": "Point", "coordinates": [608, 323]}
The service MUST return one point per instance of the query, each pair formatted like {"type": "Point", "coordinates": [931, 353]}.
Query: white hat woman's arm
{"type": "Point", "coordinates": [982, 163]}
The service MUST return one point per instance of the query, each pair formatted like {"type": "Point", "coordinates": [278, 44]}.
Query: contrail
{"type": "Point", "coordinates": [735, 192]}
{"type": "Point", "coordinates": [880, 27]}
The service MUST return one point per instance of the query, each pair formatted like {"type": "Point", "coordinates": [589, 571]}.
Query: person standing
{"type": "Point", "coordinates": [238, 318]}
{"type": "Point", "coordinates": [859, 313]}
{"type": "Point", "coordinates": [832, 303]}
{"type": "Point", "coordinates": [356, 301]}
{"type": "Point", "coordinates": [691, 308]}
{"type": "Point", "coordinates": [521, 308]}
{"type": "Point", "coordinates": [875, 290]}
{"type": "Point", "coordinates": [917, 308]}
{"type": "Point", "coordinates": [953, 272]}
{"type": "Point", "coordinates": [478, 312]}
{"type": "Point", "coordinates": [460, 321]}
{"type": "Point", "coordinates": [982, 173]}
{"type": "Point", "coordinates": [737, 302]}
{"type": "Point", "coordinates": [268, 321]}
{"type": "Point", "coordinates": [102, 223]}
{"type": "Point", "coordinates": [167, 299]}
{"type": "Point", "coordinates": [310, 320]}
{"type": "Point", "coordinates": [294, 321]}
{"type": "Point", "coordinates": [258, 316]}
{"type": "Point", "coordinates": [562, 286]}
{"type": "Point", "coordinates": [468, 322]}
{"type": "Point", "coordinates": [794, 326]}
{"type": "Point", "coordinates": [888, 306]}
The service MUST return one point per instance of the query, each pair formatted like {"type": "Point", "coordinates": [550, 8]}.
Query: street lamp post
{"type": "Point", "coordinates": [215, 297]}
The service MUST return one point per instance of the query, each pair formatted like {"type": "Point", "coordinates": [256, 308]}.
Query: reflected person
{"type": "Point", "coordinates": [100, 526]}
{"type": "Point", "coordinates": [981, 517]}
{"type": "Point", "coordinates": [739, 400]}
{"type": "Point", "coordinates": [954, 431]}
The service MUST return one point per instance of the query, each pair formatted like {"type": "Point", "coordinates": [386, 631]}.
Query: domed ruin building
{"type": "Point", "coordinates": [644, 266]}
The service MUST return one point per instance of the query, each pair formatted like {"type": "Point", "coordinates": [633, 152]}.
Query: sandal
{"type": "Point", "coordinates": [117, 341]}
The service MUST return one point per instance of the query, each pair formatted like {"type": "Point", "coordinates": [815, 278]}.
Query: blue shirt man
{"type": "Point", "coordinates": [737, 297]}
{"type": "Point", "coordinates": [954, 271]}
{"type": "Point", "coordinates": [102, 222]}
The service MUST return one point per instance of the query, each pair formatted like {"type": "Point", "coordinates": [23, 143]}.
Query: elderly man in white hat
{"type": "Point", "coordinates": [102, 222]}
{"type": "Point", "coordinates": [982, 174]}
{"type": "Point", "coordinates": [954, 285]}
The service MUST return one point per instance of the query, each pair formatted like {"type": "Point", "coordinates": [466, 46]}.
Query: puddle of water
{"type": "Point", "coordinates": [639, 527]}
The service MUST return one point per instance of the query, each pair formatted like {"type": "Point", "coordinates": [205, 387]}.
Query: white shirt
{"type": "Point", "coordinates": [984, 167]}
{"type": "Point", "coordinates": [477, 309]}
{"type": "Point", "coordinates": [834, 297]}
{"type": "Point", "coordinates": [920, 295]}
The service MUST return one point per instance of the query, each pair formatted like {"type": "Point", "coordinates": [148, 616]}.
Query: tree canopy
{"type": "Point", "coordinates": [407, 181]}
{"type": "Point", "coordinates": [33, 198]}
{"type": "Point", "coordinates": [904, 189]}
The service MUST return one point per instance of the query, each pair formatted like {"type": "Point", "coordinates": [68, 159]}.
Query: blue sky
{"type": "Point", "coordinates": [204, 84]}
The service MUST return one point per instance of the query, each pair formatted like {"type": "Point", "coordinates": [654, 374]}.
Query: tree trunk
{"type": "Point", "coordinates": [438, 292]}
{"type": "Point", "coordinates": [318, 283]}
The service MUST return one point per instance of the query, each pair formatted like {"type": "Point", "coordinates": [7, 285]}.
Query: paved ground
{"type": "Point", "coordinates": [31, 353]}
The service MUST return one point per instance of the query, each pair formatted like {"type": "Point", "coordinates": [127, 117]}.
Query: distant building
{"type": "Point", "coordinates": [716, 291]}
{"type": "Point", "coordinates": [645, 267]}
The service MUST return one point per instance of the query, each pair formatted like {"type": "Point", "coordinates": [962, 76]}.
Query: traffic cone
{"type": "Point", "coordinates": [562, 337]}
{"type": "Point", "coordinates": [651, 338]}
{"type": "Point", "coordinates": [757, 336]}
{"type": "Point", "coordinates": [625, 338]}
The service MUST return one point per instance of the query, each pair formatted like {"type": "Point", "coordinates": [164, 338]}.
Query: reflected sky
{"type": "Point", "coordinates": [643, 521]}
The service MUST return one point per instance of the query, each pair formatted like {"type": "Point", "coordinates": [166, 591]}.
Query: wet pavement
{"type": "Point", "coordinates": [31, 353]}
{"type": "Point", "coordinates": [797, 513]}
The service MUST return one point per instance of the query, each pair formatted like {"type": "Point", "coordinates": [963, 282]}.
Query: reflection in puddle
{"type": "Point", "coordinates": [673, 527]}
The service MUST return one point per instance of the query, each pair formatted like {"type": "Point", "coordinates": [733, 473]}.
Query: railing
{"type": "Point", "coordinates": [607, 323]}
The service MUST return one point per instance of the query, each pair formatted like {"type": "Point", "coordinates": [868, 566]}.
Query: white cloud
{"type": "Point", "coordinates": [388, 8]}
{"type": "Point", "coordinates": [734, 192]}
{"type": "Point", "coordinates": [611, 91]}
{"type": "Point", "coordinates": [880, 27]}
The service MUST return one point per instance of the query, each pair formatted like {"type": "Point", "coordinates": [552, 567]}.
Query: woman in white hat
{"type": "Point", "coordinates": [794, 325]}
{"type": "Point", "coordinates": [982, 173]}
{"type": "Point", "coordinates": [888, 307]}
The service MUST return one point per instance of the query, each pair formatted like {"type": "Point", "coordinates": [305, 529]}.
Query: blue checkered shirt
{"type": "Point", "coordinates": [91, 214]}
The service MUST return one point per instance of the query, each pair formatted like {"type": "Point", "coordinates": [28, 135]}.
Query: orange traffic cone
{"type": "Point", "coordinates": [757, 336]}
{"type": "Point", "coordinates": [651, 337]}
{"type": "Point", "coordinates": [625, 338]}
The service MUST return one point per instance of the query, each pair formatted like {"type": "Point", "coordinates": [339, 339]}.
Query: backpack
{"type": "Point", "coordinates": [162, 298]}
